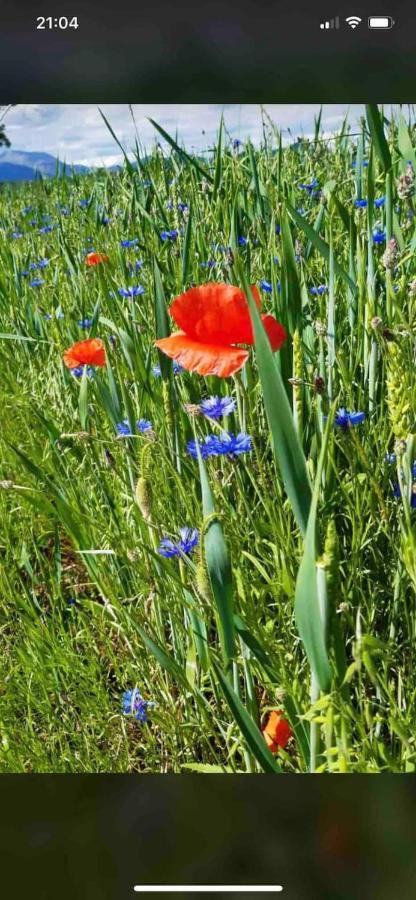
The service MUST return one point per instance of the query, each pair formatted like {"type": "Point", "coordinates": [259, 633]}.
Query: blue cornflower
{"type": "Point", "coordinates": [183, 207]}
{"type": "Point", "coordinates": [131, 291]}
{"type": "Point", "coordinates": [26, 210]}
{"type": "Point", "coordinates": [278, 229]}
{"type": "Point", "coordinates": [129, 243]}
{"type": "Point", "coordinates": [345, 419]}
{"type": "Point", "coordinates": [133, 704]}
{"type": "Point", "coordinates": [136, 268]}
{"type": "Point", "coordinates": [360, 204]}
{"type": "Point", "coordinates": [64, 211]}
{"type": "Point", "coordinates": [209, 264]}
{"type": "Point", "coordinates": [397, 493]}
{"type": "Point", "coordinates": [42, 264]}
{"type": "Point", "coordinates": [243, 241]}
{"type": "Point", "coordinates": [188, 540]}
{"type": "Point", "coordinates": [236, 144]}
{"type": "Point", "coordinates": [169, 235]}
{"type": "Point", "coordinates": [310, 188]}
{"type": "Point", "coordinates": [354, 163]}
{"type": "Point", "coordinates": [169, 204]}
{"type": "Point", "coordinates": [85, 323]}
{"type": "Point", "coordinates": [83, 204]}
{"type": "Point", "coordinates": [266, 286]}
{"type": "Point", "coordinates": [215, 407]}
{"type": "Point", "coordinates": [226, 444]}
{"type": "Point", "coordinates": [33, 223]}
{"type": "Point", "coordinates": [142, 425]}
{"type": "Point", "coordinates": [46, 229]}
{"type": "Point", "coordinates": [379, 201]}
{"type": "Point", "coordinates": [105, 220]}
{"type": "Point", "coordinates": [177, 369]}
{"type": "Point", "coordinates": [78, 371]}
{"type": "Point", "coordinates": [379, 236]}
{"type": "Point", "coordinates": [37, 282]}
{"type": "Point", "coordinates": [16, 235]}
{"type": "Point", "coordinates": [318, 290]}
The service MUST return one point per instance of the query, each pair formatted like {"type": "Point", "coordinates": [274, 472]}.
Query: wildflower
{"type": "Point", "coordinates": [90, 352]}
{"type": "Point", "coordinates": [183, 207]}
{"type": "Point", "coordinates": [37, 282]}
{"type": "Point", "coordinates": [226, 444]}
{"type": "Point", "coordinates": [213, 318]}
{"type": "Point", "coordinates": [137, 266]}
{"type": "Point", "coordinates": [209, 264]}
{"type": "Point", "coordinates": [391, 254]}
{"type": "Point", "coordinates": [142, 425]}
{"type": "Point", "coordinates": [216, 407]}
{"type": "Point", "coordinates": [236, 144]}
{"type": "Point", "coordinates": [360, 204]}
{"type": "Point", "coordinates": [321, 289]}
{"type": "Point", "coordinates": [169, 235]}
{"type": "Point", "coordinates": [16, 235]}
{"type": "Point", "coordinates": [379, 236]}
{"type": "Point", "coordinates": [243, 241]}
{"type": "Point", "coordinates": [94, 259]}
{"type": "Point", "coordinates": [405, 184]}
{"type": "Point", "coordinates": [354, 163]}
{"type": "Point", "coordinates": [266, 286]}
{"type": "Point", "coordinates": [278, 229]}
{"type": "Point", "coordinates": [277, 731]}
{"type": "Point", "coordinates": [379, 201]}
{"type": "Point", "coordinates": [131, 291]}
{"type": "Point", "coordinates": [133, 704]}
{"type": "Point", "coordinates": [188, 540]}
{"type": "Point", "coordinates": [85, 323]}
{"type": "Point", "coordinates": [177, 369]}
{"type": "Point", "coordinates": [129, 243]}
{"type": "Point", "coordinates": [83, 204]}
{"type": "Point", "coordinates": [42, 264]}
{"type": "Point", "coordinates": [345, 419]}
{"type": "Point", "coordinates": [78, 371]}
{"type": "Point", "coordinates": [310, 188]}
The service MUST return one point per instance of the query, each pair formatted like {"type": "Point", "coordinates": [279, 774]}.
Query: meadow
{"type": "Point", "coordinates": [211, 572]}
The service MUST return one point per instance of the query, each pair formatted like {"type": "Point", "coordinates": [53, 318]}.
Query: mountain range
{"type": "Point", "coordinates": [19, 165]}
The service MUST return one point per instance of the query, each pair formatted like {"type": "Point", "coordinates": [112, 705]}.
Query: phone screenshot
{"type": "Point", "coordinates": [208, 450]}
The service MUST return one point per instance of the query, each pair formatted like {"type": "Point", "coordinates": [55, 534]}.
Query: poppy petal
{"type": "Point", "coordinates": [215, 313]}
{"type": "Point", "coordinates": [275, 331]}
{"type": "Point", "coordinates": [85, 353]}
{"type": "Point", "coordinates": [94, 259]}
{"type": "Point", "coordinates": [206, 359]}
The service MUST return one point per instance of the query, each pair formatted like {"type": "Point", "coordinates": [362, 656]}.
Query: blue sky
{"type": "Point", "coordinates": [77, 134]}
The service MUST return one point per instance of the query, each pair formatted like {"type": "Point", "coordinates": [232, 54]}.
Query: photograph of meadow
{"type": "Point", "coordinates": [207, 440]}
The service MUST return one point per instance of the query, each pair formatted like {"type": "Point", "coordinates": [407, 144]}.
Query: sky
{"type": "Point", "coordinates": [76, 133]}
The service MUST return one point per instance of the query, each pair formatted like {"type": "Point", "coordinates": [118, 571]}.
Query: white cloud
{"type": "Point", "coordinates": [77, 133]}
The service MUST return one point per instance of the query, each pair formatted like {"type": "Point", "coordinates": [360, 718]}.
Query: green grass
{"type": "Point", "coordinates": [301, 595]}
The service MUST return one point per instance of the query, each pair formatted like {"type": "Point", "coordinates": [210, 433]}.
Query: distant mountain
{"type": "Point", "coordinates": [19, 165]}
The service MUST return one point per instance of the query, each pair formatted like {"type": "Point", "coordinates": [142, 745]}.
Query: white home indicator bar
{"type": "Point", "coordinates": [208, 888]}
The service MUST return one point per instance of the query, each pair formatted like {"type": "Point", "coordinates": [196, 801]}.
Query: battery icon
{"type": "Point", "coordinates": [380, 22]}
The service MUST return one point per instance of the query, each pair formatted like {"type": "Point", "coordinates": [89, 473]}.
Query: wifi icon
{"type": "Point", "coordinates": [353, 21]}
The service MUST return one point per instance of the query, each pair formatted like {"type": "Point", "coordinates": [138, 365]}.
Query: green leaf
{"type": "Point", "coordinates": [162, 322]}
{"type": "Point", "coordinates": [291, 277]}
{"type": "Point", "coordinates": [375, 124]}
{"type": "Point", "coordinates": [320, 245]}
{"type": "Point", "coordinates": [218, 566]}
{"type": "Point", "coordinates": [309, 617]}
{"type": "Point", "coordinates": [288, 451]}
{"type": "Point", "coordinates": [183, 156]}
{"type": "Point", "coordinates": [83, 400]}
{"type": "Point", "coordinates": [252, 736]}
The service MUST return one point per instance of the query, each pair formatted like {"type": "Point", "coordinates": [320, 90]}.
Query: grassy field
{"type": "Point", "coordinates": [126, 644]}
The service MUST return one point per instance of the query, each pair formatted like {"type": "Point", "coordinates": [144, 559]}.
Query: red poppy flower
{"type": "Point", "coordinates": [85, 353]}
{"type": "Point", "coordinates": [277, 731]}
{"type": "Point", "coordinates": [93, 259]}
{"type": "Point", "coordinates": [213, 318]}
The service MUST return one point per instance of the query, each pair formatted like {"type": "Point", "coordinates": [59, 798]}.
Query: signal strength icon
{"type": "Point", "coordinates": [353, 21]}
{"type": "Point", "coordinates": [330, 23]}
